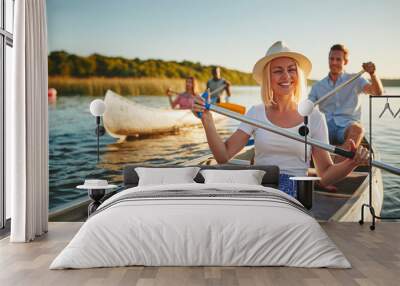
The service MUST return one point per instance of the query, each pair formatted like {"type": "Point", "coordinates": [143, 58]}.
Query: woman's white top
{"type": "Point", "coordinates": [275, 149]}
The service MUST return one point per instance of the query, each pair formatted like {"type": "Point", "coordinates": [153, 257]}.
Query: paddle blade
{"type": "Point", "coordinates": [233, 107]}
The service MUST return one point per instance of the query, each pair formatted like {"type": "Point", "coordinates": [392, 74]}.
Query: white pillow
{"type": "Point", "coordinates": [248, 177]}
{"type": "Point", "coordinates": [166, 176]}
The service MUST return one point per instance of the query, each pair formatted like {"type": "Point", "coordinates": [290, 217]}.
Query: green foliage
{"type": "Point", "coordinates": [63, 64]}
{"type": "Point", "coordinates": [391, 82]}
{"type": "Point", "coordinates": [93, 75]}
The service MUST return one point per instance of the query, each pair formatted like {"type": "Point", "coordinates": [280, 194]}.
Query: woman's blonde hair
{"type": "Point", "coordinates": [267, 95]}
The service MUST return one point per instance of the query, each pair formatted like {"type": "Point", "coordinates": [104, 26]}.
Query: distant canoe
{"type": "Point", "coordinates": [124, 118]}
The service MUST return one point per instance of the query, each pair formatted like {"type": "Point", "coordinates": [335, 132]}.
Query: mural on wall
{"type": "Point", "coordinates": [148, 118]}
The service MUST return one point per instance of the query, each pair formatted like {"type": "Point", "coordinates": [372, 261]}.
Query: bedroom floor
{"type": "Point", "coordinates": [375, 256]}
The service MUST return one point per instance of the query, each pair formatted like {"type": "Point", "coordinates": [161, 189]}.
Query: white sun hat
{"type": "Point", "coordinates": [278, 50]}
{"type": "Point", "coordinates": [95, 184]}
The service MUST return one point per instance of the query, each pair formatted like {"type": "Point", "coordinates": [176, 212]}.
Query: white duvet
{"type": "Point", "coordinates": [188, 231]}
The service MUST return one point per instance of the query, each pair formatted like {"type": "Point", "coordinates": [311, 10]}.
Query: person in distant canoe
{"type": "Point", "coordinates": [185, 99]}
{"type": "Point", "coordinates": [281, 74]}
{"type": "Point", "coordinates": [217, 82]}
{"type": "Point", "coordinates": [343, 110]}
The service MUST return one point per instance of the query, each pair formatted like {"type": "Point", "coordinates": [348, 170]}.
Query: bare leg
{"type": "Point", "coordinates": [353, 132]}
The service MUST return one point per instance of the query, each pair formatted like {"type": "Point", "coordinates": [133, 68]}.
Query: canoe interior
{"type": "Point", "coordinates": [328, 205]}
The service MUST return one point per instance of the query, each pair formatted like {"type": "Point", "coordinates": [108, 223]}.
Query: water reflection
{"type": "Point", "coordinates": [73, 145]}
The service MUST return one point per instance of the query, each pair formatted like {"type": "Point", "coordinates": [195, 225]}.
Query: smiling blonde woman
{"type": "Point", "coordinates": [281, 74]}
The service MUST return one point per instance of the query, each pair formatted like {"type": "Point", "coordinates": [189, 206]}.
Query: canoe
{"type": "Point", "coordinates": [341, 206]}
{"type": "Point", "coordinates": [124, 118]}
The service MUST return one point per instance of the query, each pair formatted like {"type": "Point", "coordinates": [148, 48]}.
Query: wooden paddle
{"type": "Point", "coordinates": [233, 107]}
{"type": "Point", "coordinates": [306, 106]}
{"type": "Point", "coordinates": [289, 134]}
{"type": "Point", "coordinates": [227, 105]}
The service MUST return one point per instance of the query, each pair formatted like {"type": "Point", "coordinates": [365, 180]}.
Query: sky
{"type": "Point", "coordinates": [234, 34]}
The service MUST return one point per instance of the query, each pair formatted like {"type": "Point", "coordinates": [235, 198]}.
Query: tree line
{"type": "Point", "coordinates": [63, 64]}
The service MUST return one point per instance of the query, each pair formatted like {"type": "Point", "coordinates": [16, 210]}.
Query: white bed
{"type": "Point", "coordinates": [224, 225]}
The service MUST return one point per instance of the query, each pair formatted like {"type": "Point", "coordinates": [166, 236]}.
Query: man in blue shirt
{"type": "Point", "coordinates": [217, 82]}
{"type": "Point", "coordinates": [343, 110]}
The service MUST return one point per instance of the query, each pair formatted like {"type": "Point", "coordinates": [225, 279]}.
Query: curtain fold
{"type": "Point", "coordinates": [27, 122]}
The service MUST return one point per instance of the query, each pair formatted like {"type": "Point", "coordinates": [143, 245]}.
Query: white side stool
{"type": "Point", "coordinates": [305, 190]}
{"type": "Point", "coordinates": [96, 190]}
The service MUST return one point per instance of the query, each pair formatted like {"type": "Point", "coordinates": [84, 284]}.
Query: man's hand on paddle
{"type": "Point", "coordinates": [369, 67]}
{"type": "Point", "coordinates": [375, 87]}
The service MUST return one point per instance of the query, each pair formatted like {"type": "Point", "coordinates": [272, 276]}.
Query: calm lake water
{"type": "Point", "coordinates": [73, 145]}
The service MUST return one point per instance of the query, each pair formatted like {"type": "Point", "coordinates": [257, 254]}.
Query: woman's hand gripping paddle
{"type": "Point", "coordinates": [227, 105]}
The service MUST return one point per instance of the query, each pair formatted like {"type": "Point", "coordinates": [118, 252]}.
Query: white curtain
{"type": "Point", "coordinates": [27, 124]}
